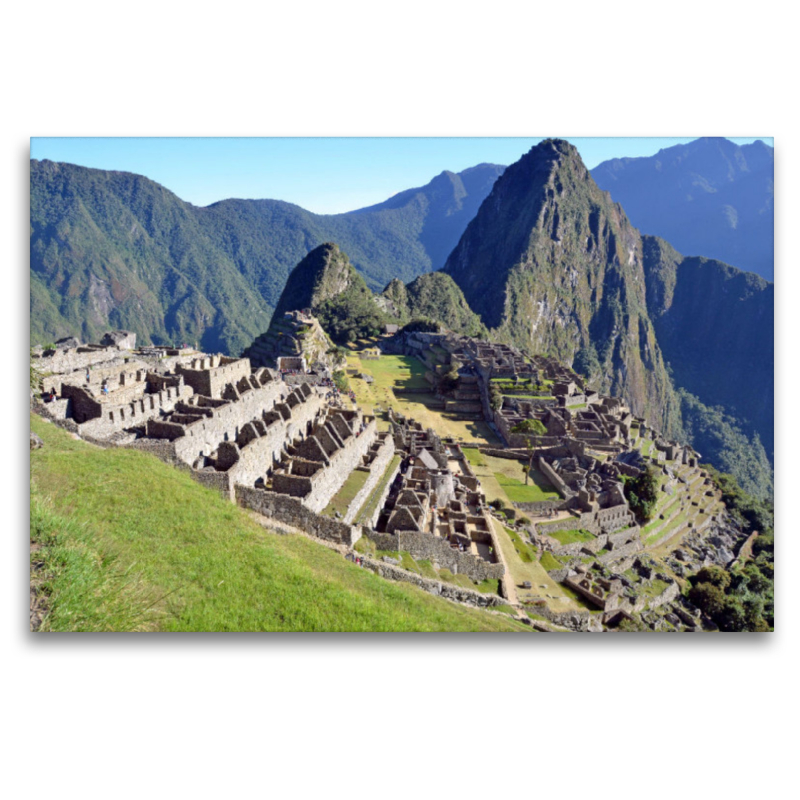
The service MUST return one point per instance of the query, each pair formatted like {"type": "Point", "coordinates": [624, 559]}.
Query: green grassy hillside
{"type": "Point", "coordinates": [121, 541]}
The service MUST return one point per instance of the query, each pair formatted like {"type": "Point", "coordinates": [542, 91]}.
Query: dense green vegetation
{"type": "Point", "coordinates": [587, 362]}
{"type": "Point", "coordinates": [112, 249]}
{"type": "Point", "coordinates": [352, 315]}
{"type": "Point", "coordinates": [341, 381]}
{"type": "Point", "coordinates": [744, 598]}
{"type": "Point", "coordinates": [434, 296]}
{"type": "Point", "coordinates": [715, 328]}
{"type": "Point", "coordinates": [751, 512]}
{"type": "Point", "coordinates": [721, 440]}
{"type": "Point", "coordinates": [121, 541]}
{"type": "Point", "coordinates": [328, 284]}
{"type": "Point", "coordinates": [642, 494]}
{"type": "Point", "coordinates": [532, 426]}
{"type": "Point", "coordinates": [422, 326]}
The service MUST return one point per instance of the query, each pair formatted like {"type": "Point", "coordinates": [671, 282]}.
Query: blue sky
{"type": "Point", "coordinates": [324, 175]}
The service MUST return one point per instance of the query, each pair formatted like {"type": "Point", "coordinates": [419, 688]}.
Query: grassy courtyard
{"type": "Point", "coordinates": [504, 478]}
{"type": "Point", "coordinates": [570, 537]}
{"type": "Point", "coordinates": [395, 374]}
{"type": "Point", "coordinates": [521, 570]}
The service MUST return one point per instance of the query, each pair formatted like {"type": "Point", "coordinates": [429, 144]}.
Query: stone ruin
{"type": "Point", "coordinates": [435, 508]}
{"type": "Point", "coordinates": [275, 442]}
{"type": "Point", "coordinates": [235, 429]}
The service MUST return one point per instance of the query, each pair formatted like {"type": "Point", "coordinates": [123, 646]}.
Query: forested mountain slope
{"type": "Point", "coordinates": [112, 249]}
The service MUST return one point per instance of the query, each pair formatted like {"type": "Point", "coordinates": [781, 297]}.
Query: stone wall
{"type": "Point", "coordinates": [218, 481]}
{"type": "Point", "coordinates": [377, 468]}
{"type": "Point", "coordinates": [203, 437]}
{"type": "Point", "coordinates": [264, 444]}
{"type": "Point", "coordinates": [372, 522]}
{"type": "Point", "coordinates": [554, 478]}
{"type": "Point", "coordinates": [102, 419]}
{"type": "Point", "coordinates": [80, 358]}
{"type": "Point", "coordinates": [593, 521]}
{"type": "Point", "coordinates": [581, 621]}
{"type": "Point", "coordinates": [290, 511]}
{"type": "Point", "coordinates": [446, 590]}
{"type": "Point", "coordinates": [571, 523]}
{"type": "Point", "coordinates": [426, 546]}
{"type": "Point", "coordinates": [209, 377]}
{"type": "Point", "coordinates": [621, 552]}
{"type": "Point", "coordinates": [327, 482]}
{"type": "Point", "coordinates": [540, 507]}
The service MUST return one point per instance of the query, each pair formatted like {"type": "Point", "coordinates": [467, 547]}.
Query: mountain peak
{"type": "Point", "coordinates": [554, 266]}
{"type": "Point", "coordinates": [323, 274]}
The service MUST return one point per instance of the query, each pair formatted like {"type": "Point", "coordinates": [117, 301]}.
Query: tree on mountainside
{"type": "Point", "coordinates": [642, 494]}
{"type": "Point", "coordinates": [586, 362]}
{"type": "Point", "coordinates": [534, 427]}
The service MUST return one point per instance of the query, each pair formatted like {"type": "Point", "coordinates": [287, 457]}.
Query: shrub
{"type": "Point", "coordinates": [340, 379]}
{"type": "Point", "coordinates": [708, 598]}
{"type": "Point", "coordinates": [449, 381]}
{"type": "Point", "coordinates": [421, 326]}
{"type": "Point", "coordinates": [642, 494]}
{"type": "Point", "coordinates": [532, 426]}
{"type": "Point", "coordinates": [732, 617]}
{"type": "Point", "coordinates": [716, 576]}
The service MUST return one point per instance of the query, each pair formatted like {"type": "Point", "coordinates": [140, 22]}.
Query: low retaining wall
{"type": "Point", "coordinates": [291, 511]}
{"type": "Point", "coordinates": [569, 524]}
{"type": "Point", "coordinates": [446, 590]}
{"type": "Point", "coordinates": [430, 547]}
{"type": "Point", "coordinates": [510, 454]}
{"type": "Point", "coordinates": [621, 552]}
{"type": "Point", "coordinates": [540, 506]}
{"type": "Point", "coordinates": [581, 621]}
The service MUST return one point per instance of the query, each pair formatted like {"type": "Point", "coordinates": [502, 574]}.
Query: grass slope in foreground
{"type": "Point", "coordinates": [126, 542]}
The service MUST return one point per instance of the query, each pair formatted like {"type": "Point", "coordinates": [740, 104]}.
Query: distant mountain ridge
{"type": "Point", "coordinates": [710, 198]}
{"type": "Point", "coordinates": [117, 250]}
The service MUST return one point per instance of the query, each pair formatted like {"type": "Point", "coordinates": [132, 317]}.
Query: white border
{"type": "Point", "coordinates": [205, 716]}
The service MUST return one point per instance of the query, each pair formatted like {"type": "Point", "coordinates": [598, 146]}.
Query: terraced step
{"type": "Point", "coordinates": [668, 523]}
{"type": "Point", "coordinates": [668, 511]}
